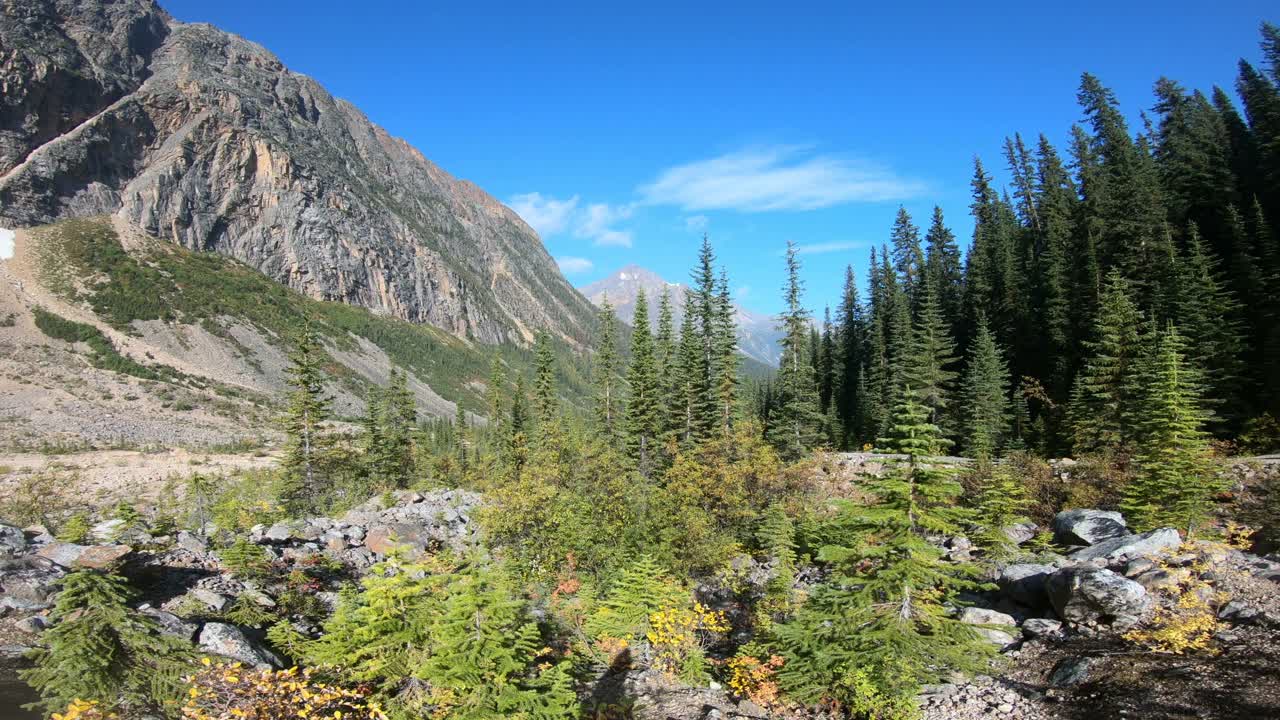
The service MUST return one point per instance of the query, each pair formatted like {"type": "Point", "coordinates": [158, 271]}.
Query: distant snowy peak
{"type": "Point", "coordinates": [757, 335]}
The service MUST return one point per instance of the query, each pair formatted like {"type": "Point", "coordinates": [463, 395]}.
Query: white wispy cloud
{"type": "Point", "coordinates": [595, 222]}
{"type": "Point", "coordinates": [825, 247]}
{"type": "Point", "coordinates": [543, 213]}
{"type": "Point", "coordinates": [783, 177]}
{"type": "Point", "coordinates": [697, 223]}
{"type": "Point", "coordinates": [574, 265]}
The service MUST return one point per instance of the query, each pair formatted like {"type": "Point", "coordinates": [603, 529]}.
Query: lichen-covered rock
{"type": "Point", "coordinates": [72, 556]}
{"type": "Point", "coordinates": [13, 541]}
{"type": "Point", "coordinates": [230, 641]}
{"type": "Point", "coordinates": [1087, 527]}
{"type": "Point", "coordinates": [1145, 544]}
{"type": "Point", "coordinates": [1088, 596]}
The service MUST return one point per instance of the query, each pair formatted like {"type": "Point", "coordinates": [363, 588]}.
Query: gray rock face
{"type": "Point", "coordinates": [1001, 638]}
{"type": "Point", "coordinates": [70, 555]}
{"type": "Point", "coordinates": [1087, 595]}
{"type": "Point", "coordinates": [1087, 527]}
{"type": "Point", "coordinates": [1024, 583]}
{"type": "Point", "coordinates": [12, 541]}
{"type": "Point", "coordinates": [206, 140]}
{"type": "Point", "coordinates": [1131, 546]}
{"type": "Point", "coordinates": [230, 641]}
{"type": "Point", "coordinates": [1041, 627]}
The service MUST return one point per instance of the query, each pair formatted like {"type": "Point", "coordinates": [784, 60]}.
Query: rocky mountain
{"type": "Point", "coordinates": [758, 335]}
{"type": "Point", "coordinates": [200, 138]}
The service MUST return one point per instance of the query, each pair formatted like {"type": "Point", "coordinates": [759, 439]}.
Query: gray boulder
{"type": "Point", "coordinates": [1145, 544]}
{"type": "Point", "coordinates": [1020, 533]}
{"type": "Point", "coordinates": [12, 541]}
{"type": "Point", "coordinates": [170, 624]}
{"type": "Point", "coordinates": [230, 641]}
{"type": "Point", "coordinates": [1089, 596]}
{"type": "Point", "coordinates": [1071, 671]}
{"type": "Point", "coordinates": [70, 555]}
{"type": "Point", "coordinates": [985, 619]}
{"type": "Point", "coordinates": [1041, 627]}
{"type": "Point", "coordinates": [1087, 527]}
{"type": "Point", "coordinates": [1024, 583]}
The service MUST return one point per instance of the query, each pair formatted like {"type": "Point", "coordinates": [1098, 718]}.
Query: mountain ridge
{"type": "Point", "coordinates": [758, 335]}
{"type": "Point", "coordinates": [206, 140]}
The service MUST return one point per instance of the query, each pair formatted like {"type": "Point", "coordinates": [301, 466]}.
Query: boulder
{"type": "Point", "coordinates": [1024, 583]}
{"type": "Point", "coordinates": [192, 543]}
{"type": "Point", "coordinates": [1020, 533]}
{"type": "Point", "coordinates": [70, 555]}
{"type": "Point", "coordinates": [1145, 544]}
{"type": "Point", "coordinates": [985, 618]}
{"type": "Point", "coordinates": [1041, 627]}
{"type": "Point", "coordinates": [107, 530]}
{"type": "Point", "coordinates": [279, 532]}
{"type": "Point", "coordinates": [1238, 612]}
{"type": "Point", "coordinates": [381, 539]}
{"type": "Point", "coordinates": [1071, 671]}
{"type": "Point", "coordinates": [230, 641]}
{"type": "Point", "coordinates": [170, 624]}
{"type": "Point", "coordinates": [13, 542]}
{"type": "Point", "coordinates": [1087, 527]}
{"type": "Point", "coordinates": [216, 602]}
{"type": "Point", "coordinates": [1087, 595]}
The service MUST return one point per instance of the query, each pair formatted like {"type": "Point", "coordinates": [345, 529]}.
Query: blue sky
{"type": "Point", "coordinates": [624, 131]}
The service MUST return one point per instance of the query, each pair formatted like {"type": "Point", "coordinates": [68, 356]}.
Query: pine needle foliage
{"type": "Point", "coordinates": [101, 650]}
{"type": "Point", "coordinates": [308, 407]}
{"type": "Point", "coordinates": [1176, 482]}
{"type": "Point", "coordinates": [883, 610]}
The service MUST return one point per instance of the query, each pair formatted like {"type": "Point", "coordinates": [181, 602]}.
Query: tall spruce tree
{"type": "Point", "coordinates": [306, 410]}
{"type": "Point", "coordinates": [985, 409]}
{"type": "Point", "coordinates": [942, 269]}
{"type": "Point", "coordinates": [546, 402]}
{"type": "Point", "coordinates": [605, 373]}
{"type": "Point", "coordinates": [928, 359]}
{"type": "Point", "coordinates": [908, 258]}
{"type": "Point", "coordinates": [643, 421]}
{"type": "Point", "coordinates": [1175, 482]}
{"type": "Point", "coordinates": [850, 361]}
{"type": "Point", "coordinates": [795, 426]}
{"type": "Point", "coordinates": [726, 358]}
{"type": "Point", "coordinates": [1100, 400]}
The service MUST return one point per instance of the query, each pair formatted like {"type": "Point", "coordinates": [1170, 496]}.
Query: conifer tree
{"type": "Point", "coordinates": [985, 410]}
{"type": "Point", "coordinates": [726, 358]}
{"type": "Point", "coordinates": [494, 394]}
{"type": "Point", "coordinates": [485, 651]}
{"type": "Point", "coordinates": [666, 362]}
{"type": "Point", "coordinates": [1100, 399]}
{"type": "Point", "coordinates": [848, 365]}
{"type": "Point", "coordinates": [943, 271]}
{"type": "Point", "coordinates": [399, 421]}
{"type": "Point", "coordinates": [306, 410]}
{"type": "Point", "coordinates": [1175, 482]}
{"type": "Point", "coordinates": [1001, 502]}
{"type": "Point", "coordinates": [796, 424]}
{"type": "Point", "coordinates": [605, 374]}
{"type": "Point", "coordinates": [101, 650]}
{"type": "Point", "coordinates": [372, 443]}
{"type": "Point", "coordinates": [908, 259]}
{"type": "Point", "coordinates": [688, 384]}
{"type": "Point", "coordinates": [546, 403]}
{"type": "Point", "coordinates": [882, 612]}
{"type": "Point", "coordinates": [644, 401]}
{"type": "Point", "coordinates": [928, 358]}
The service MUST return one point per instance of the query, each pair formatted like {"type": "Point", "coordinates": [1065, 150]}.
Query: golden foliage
{"type": "Point", "coordinates": [84, 710]}
{"type": "Point", "coordinates": [755, 679]}
{"type": "Point", "coordinates": [677, 636]}
{"type": "Point", "coordinates": [228, 691]}
{"type": "Point", "coordinates": [1185, 619]}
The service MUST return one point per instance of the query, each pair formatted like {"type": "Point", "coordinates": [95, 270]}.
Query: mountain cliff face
{"type": "Point", "coordinates": [758, 334]}
{"type": "Point", "coordinates": [206, 140]}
